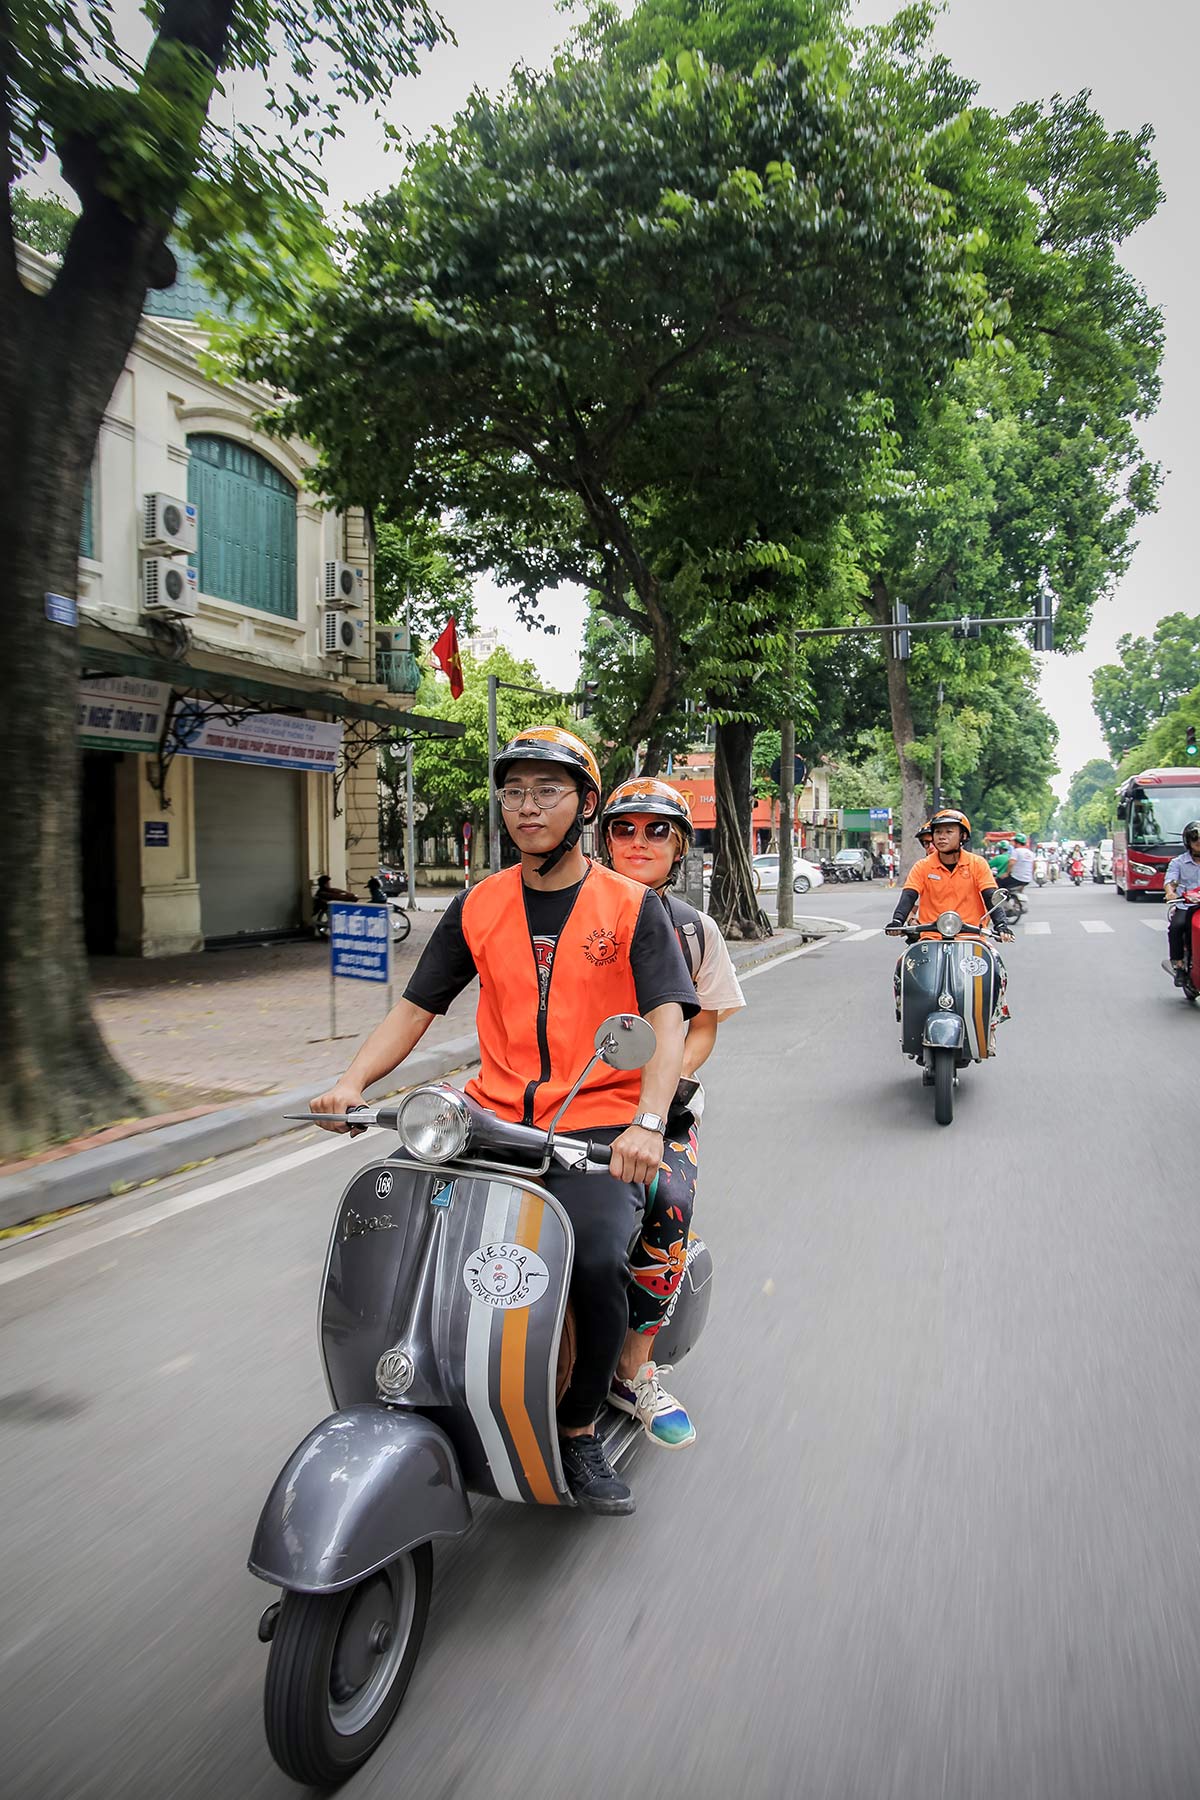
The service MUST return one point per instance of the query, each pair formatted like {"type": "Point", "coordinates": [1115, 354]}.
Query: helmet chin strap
{"type": "Point", "coordinates": [569, 840]}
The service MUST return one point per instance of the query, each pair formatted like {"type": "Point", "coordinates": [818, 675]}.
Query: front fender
{"type": "Point", "coordinates": [365, 1485]}
{"type": "Point", "coordinates": [944, 1031]}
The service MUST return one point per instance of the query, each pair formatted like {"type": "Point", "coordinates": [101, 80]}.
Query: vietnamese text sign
{"type": "Point", "coordinates": [279, 740]}
{"type": "Point", "coordinates": [120, 712]}
{"type": "Point", "coordinates": [62, 609]}
{"type": "Point", "coordinates": [359, 938]}
{"type": "Point", "coordinates": [156, 833]}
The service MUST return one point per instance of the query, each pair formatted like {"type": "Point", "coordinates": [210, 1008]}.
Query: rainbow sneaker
{"type": "Point", "coordinates": [660, 1415]}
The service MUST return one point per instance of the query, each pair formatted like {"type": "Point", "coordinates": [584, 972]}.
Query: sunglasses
{"type": "Point", "coordinates": [656, 831]}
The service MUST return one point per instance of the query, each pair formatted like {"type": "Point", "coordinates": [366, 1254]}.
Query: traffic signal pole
{"type": "Point", "coordinates": [1043, 625]}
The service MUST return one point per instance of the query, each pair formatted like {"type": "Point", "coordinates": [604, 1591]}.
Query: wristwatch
{"type": "Point", "coordinates": [651, 1122]}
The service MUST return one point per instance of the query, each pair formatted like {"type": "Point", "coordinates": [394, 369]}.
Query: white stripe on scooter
{"type": "Point", "coordinates": [479, 1356]}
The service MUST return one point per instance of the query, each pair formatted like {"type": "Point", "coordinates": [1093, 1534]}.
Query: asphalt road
{"type": "Point", "coordinates": [939, 1533]}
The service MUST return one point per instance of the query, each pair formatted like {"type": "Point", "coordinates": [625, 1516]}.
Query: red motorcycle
{"type": "Point", "coordinates": [1077, 871]}
{"type": "Point", "coordinates": [1189, 987]}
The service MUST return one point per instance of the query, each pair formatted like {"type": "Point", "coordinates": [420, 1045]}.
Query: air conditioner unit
{"type": "Point", "coordinates": [167, 523]}
{"type": "Point", "coordinates": [391, 638]}
{"type": "Point", "coordinates": [343, 585]}
{"type": "Point", "coordinates": [169, 586]}
{"type": "Point", "coordinates": [341, 635]}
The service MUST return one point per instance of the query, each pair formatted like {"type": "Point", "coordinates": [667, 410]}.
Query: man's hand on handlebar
{"type": "Point", "coordinates": [636, 1155]}
{"type": "Point", "coordinates": [340, 1098]}
{"type": "Point", "coordinates": [895, 929]}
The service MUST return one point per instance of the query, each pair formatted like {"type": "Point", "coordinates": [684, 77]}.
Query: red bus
{"type": "Point", "coordinates": [1152, 810]}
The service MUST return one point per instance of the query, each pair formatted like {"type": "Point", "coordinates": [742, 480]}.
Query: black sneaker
{"type": "Point", "coordinates": [594, 1483]}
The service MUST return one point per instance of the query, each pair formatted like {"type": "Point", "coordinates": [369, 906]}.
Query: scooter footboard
{"type": "Point", "coordinates": [365, 1485]}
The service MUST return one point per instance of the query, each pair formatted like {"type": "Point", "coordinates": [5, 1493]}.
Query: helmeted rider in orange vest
{"type": "Point", "coordinates": [558, 944]}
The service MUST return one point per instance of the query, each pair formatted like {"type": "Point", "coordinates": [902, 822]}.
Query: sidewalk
{"type": "Point", "coordinates": [223, 1043]}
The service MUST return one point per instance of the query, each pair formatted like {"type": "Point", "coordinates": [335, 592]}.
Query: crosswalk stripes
{"type": "Point", "coordinates": [1033, 928]}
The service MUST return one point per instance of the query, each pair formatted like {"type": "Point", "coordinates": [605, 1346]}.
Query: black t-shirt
{"type": "Point", "coordinates": [660, 973]}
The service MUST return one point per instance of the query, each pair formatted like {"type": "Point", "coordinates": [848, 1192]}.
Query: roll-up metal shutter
{"type": "Point", "coordinates": [247, 848]}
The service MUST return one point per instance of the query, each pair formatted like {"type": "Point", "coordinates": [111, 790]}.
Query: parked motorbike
{"type": "Point", "coordinates": [949, 1001]}
{"type": "Point", "coordinates": [399, 920]}
{"type": "Point", "coordinates": [1189, 987]}
{"type": "Point", "coordinates": [446, 1335]}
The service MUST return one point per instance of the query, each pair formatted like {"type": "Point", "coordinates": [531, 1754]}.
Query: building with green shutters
{"type": "Point", "coordinates": [230, 703]}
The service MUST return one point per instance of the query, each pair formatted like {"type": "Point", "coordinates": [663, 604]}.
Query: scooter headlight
{"type": "Point", "coordinates": [434, 1124]}
{"type": "Point", "coordinates": [949, 924]}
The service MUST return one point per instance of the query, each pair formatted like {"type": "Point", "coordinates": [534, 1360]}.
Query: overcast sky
{"type": "Point", "coordinates": [1138, 62]}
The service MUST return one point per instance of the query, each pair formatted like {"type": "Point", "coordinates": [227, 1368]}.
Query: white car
{"type": "Point", "coordinates": [1102, 860]}
{"type": "Point", "coordinates": [805, 875]}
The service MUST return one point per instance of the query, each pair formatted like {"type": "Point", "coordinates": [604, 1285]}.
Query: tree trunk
{"type": "Point", "coordinates": [732, 901]}
{"type": "Point", "coordinates": [913, 805]}
{"type": "Point", "coordinates": [60, 358]}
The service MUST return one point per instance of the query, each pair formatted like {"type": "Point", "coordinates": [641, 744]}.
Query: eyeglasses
{"type": "Point", "coordinates": [545, 795]}
{"type": "Point", "coordinates": [655, 831]}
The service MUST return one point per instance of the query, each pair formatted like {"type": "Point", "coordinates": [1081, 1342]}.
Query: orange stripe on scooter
{"type": "Point", "coordinates": [980, 1037]}
{"type": "Point", "coordinates": [515, 1333]}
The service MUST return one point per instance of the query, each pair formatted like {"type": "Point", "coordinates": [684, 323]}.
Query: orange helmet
{"type": "Point", "coordinates": [646, 794]}
{"type": "Point", "coordinates": [549, 743]}
{"type": "Point", "coordinates": [950, 815]}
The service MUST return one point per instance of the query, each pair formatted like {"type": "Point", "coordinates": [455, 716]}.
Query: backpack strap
{"type": "Point", "coordinates": [689, 929]}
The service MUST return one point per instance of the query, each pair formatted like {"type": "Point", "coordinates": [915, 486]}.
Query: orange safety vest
{"type": "Point", "coordinates": [528, 1059]}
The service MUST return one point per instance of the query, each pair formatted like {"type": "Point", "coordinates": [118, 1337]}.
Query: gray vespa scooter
{"type": "Point", "coordinates": [949, 998]}
{"type": "Point", "coordinates": [446, 1341]}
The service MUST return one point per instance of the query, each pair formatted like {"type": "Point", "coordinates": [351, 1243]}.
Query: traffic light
{"type": "Point", "coordinates": [966, 629]}
{"type": "Point", "coordinates": [1190, 742]}
{"type": "Point", "coordinates": [901, 640]}
{"type": "Point", "coordinates": [1043, 626]}
{"type": "Point", "coordinates": [588, 697]}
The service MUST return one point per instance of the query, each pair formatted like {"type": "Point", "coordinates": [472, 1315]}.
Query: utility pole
{"type": "Point", "coordinates": [937, 753]}
{"type": "Point", "coordinates": [493, 803]}
{"type": "Point", "coordinates": [410, 827]}
{"type": "Point", "coordinates": [787, 812]}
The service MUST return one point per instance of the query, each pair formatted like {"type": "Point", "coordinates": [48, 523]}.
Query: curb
{"type": "Point", "coordinates": [114, 1168]}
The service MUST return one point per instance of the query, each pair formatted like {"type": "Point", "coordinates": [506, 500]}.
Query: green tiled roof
{"type": "Point", "coordinates": [188, 296]}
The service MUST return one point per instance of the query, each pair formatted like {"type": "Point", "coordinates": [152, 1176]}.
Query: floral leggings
{"type": "Point", "coordinates": [659, 1257]}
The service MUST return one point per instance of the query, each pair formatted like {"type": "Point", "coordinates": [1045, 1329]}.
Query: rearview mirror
{"type": "Point", "coordinates": [625, 1042]}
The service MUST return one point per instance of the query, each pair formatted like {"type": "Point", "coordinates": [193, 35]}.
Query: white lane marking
{"type": "Point", "coordinates": [1154, 924]}
{"type": "Point", "coordinates": [1039, 928]}
{"type": "Point", "coordinates": [860, 936]}
{"type": "Point", "coordinates": [1095, 925]}
{"type": "Point", "coordinates": [58, 1250]}
{"type": "Point", "coordinates": [479, 1340]}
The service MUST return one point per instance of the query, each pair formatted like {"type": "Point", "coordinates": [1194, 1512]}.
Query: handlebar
{"type": "Point", "coordinates": [507, 1136]}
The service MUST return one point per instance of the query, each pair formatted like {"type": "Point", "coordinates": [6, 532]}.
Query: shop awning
{"type": "Point", "coordinates": [185, 677]}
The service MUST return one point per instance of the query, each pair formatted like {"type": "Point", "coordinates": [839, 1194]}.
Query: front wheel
{"type": "Point", "coordinates": [943, 1086]}
{"type": "Point", "coordinates": [401, 924]}
{"type": "Point", "coordinates": [801, 884]}
{"type": "Point", "coordinates": [339, 1668]}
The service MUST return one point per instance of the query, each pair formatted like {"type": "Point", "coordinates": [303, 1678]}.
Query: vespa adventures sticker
{"type": "Point", "coordinates": [506, 1275]}
{"type": "Point", "coordinates": [974, 965]}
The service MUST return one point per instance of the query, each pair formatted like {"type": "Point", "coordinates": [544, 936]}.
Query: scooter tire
{"type": "Point", "coordinates": [305, 1734]}
{"type": "Point", "coordinates": [401, 924]}
{"type": "Point", "coordinates": [943, 1086]}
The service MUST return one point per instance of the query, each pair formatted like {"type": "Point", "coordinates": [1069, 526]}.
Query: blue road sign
{"type": "Point", "coordinates": [359, 939]}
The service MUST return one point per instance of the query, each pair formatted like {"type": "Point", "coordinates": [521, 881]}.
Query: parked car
{"type": "Point", "coordinates": [857, 861]}
{"type": "Point", "coordinates": [805, 875]}
{"type": "Point", "coordinates": [392, 881]}
{"type": "Point", "coordinates": [1102, 860]}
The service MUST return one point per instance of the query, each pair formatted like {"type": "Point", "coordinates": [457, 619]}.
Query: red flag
{"type": "Point", "coordinates": [445, 655]}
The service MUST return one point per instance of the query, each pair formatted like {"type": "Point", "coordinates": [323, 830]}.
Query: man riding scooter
{"type": "Point", "coordinates": [1182, 879]}
{"type": "Point", "coordinates": [558, 945]}
{"type": "Point", "coordinates": [950, 879]}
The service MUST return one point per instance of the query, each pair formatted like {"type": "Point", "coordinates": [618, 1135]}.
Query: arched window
{"type": "Point", "coordinates": [247, 539]}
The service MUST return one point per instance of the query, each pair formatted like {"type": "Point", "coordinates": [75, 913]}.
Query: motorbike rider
{"type": "Point", "coordinates": [323, 893]}
{"type": "Point", "coordinates": [558, 944]}
{"type": "Point", "coordinates": [1020, 863]}
{"type": "Point", "coordinates": [950, 879]}
{"type": "Point", "coordinates": [1182, 877]}
{"type": "Point", "coordinates": [646, 830]}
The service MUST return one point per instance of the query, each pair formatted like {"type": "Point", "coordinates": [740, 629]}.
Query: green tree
{"type": "Point", "coordinates": [1153, 673]}
{"type": "Point", "coordinates": [139, 144]}
{"type": "Point", "coordinates": [1165, 744]}
{"type": "Point", "coordinates": [1090, 796]}
{"type": "Point", "coordinates": [41, 222]}
{"type": "Point", "coordinates": [608, 310]}
{"type": "Point", "coordinates": [417, 579]}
